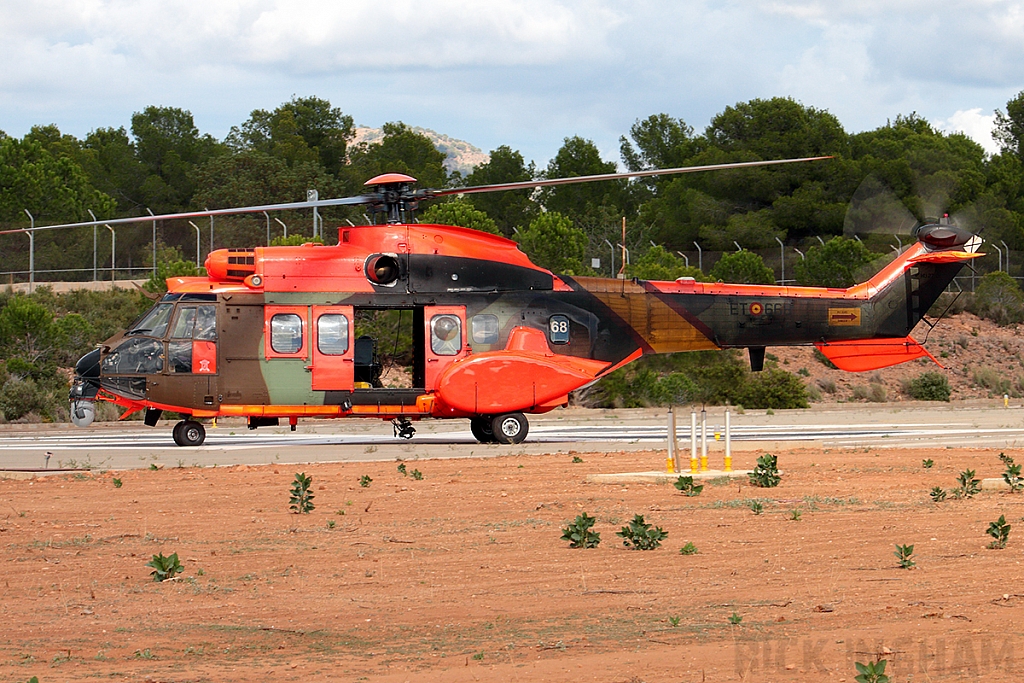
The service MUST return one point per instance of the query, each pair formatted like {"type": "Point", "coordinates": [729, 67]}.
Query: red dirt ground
{"type": "Point", "coordinates": [463, 577]}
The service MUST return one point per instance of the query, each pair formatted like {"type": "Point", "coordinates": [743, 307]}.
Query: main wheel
{"type": "Point", "coordinates": [481, 428]}
{"type": "Point", "coordinates": [189, 433]}
{"type": "Point", "coordinates": [510, 428]}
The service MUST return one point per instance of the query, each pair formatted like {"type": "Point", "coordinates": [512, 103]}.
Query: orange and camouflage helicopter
{"type": "Point", "coordinates": [269, 333]}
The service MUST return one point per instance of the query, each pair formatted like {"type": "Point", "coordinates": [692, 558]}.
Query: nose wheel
{"type": "Point", "coordinates": [403, 428]}
{"type": "Point", "coordinates": [189, 433]}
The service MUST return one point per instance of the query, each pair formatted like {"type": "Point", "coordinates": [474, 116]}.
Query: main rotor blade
{"type": "Point", "coordinates": [344, 201]}
{"type": "Point", "coordinates": [528, 184]}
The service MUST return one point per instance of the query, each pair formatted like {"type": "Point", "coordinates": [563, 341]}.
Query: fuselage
{"type": "Point", "coordinates": [270, 331]}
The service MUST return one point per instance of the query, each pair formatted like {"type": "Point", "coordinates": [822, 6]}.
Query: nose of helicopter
{"type": "Point", "coordinates": [88, 366]}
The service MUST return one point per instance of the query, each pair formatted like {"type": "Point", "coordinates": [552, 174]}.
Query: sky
{"type": "Point", "coordinates": [523, 73]}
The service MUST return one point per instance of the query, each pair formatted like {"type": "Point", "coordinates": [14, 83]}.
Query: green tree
{"type": "Point", "coordinates": [586, 202]}
{"type": "Point", "coordinates": [170, 147]}
{"type": "Point", "coordinates": [744, 267]}
{"type": "Point", "coordinates": [511, 209]}
{"type": "Point", "coordinates": [461, 213]}
{"type": "Point", "coordinates": [833, 265]}
{"type": "Point", "coordinates": [1009, 126]}
{"type": "Point", "coordinates": [112, 164]}
{"type": "Point", "coordinates": [552, 242]}
{"type": "Point", "coordinates": [304, 130]}
{"type": "Point", "coordinates": [659, 141]}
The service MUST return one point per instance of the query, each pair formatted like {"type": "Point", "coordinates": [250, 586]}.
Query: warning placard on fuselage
{"type": "Point", "coordinates": [844, 317]}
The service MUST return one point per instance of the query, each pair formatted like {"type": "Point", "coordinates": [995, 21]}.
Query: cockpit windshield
{"type": "Point", "coordinates": [154, 323]}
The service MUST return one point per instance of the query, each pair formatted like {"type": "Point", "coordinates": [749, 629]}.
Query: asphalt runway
{"type": "Point", "coordinates": [130, 445]}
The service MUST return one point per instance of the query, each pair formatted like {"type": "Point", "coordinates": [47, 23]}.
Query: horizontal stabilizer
{"type": "Point", "coordinates": [944, 257]}
{"type": "Point", "coordinates": [871, 354]}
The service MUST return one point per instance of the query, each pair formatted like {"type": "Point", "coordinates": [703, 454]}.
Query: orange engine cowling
{"type": "Point", "coordinates": [231, 264]}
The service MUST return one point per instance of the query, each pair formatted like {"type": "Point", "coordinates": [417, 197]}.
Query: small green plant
{"type": "Point", "coordinates": [365, 481]}
{"type": "Point", "coordinates": [153, 466]}
{"type": "Point", "coordinates": [417, 475]}
{"type": "Point", "coordinates": [938, 494]}
{"type": "Point", "coordinates": [756, 507]}
{"type": "Point", "coordinates": [580, 534]}
{"type": "Point", "coordinates": [686, 485]}
{"type": "Point", "coordinates": [999, 530]}
{"type": "Point", "coordinates": [688, 549]}
{"type": "Point", "coordinates": [641, 535]}
{"type": "Point", "coordinates": [871, 673]}
{"type": "Point", "coordinates": [117, 483]}
{"type": "Point", "coordinates": [735, 619]}
{"type": "Point", "coordinates": [302, 494]}
{"type": "Point", "coordinates": [401, 469]}
{"type": "Point", "coordinates": [794, 515]}
{"type": "Point", "coordinates": [766, 473]}
{"type": "Point", "coordinates": [1011, 475]}
{"type": "Point", "coordinates": [968, 485]}
{"type": "Point", "coordinates": [478, 656]}
{"type": "Point", "coordinates": [928, 464]}
{"type": "Point", "coordinates": [331, 524]}
{"type": "Point", "coordinates": [165, 568]}
{"type": "Point", "coordinates": [577, 459]}
{"type": "Point", "coordinates": [903, 554]}
{"type": "Point", "coordinates": [674, 621]}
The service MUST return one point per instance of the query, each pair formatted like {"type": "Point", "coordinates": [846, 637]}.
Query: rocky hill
{"type": "Point", "coordinates": [981, 360]}
{"type": "Point", "coordinates": [461, 156]}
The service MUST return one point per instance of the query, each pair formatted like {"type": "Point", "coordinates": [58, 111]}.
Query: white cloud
{"type": "Point", "coordinates": [973, 124]}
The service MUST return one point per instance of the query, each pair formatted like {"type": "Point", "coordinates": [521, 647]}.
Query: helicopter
{"type": "Point", "coordinates": [269, 333]}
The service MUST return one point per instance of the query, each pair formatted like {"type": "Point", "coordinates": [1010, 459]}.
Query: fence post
{"type": "Point", "coordinates": [31, 252]}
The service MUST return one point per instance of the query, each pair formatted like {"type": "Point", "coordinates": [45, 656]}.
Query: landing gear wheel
{"type": "Point", "coordinates": [189, 433]}
{"type": "Point", "coordinates": [481, 428]}
{"type": "Point", "coordinates": [510, 428]}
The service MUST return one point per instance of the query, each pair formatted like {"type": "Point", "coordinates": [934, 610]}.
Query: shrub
{"type": "Point", "coordinates": [579, 533]}
{"type": "Point", "coordinates": [686, 485]}
{"type": "Point", "coordinates": [302, 494]}
{"type": "Point", "coordinates": [766, 473]}
{"type": "Point", "coordinates": [903, 554]}
{"type": "Point", "coordinates": [823, 359]}
{"type": "Point", "coordinates": [417, 475]}
{"type": "Point", "coordinates": [742, 267]}
{"type": "Point", "coordinates": [938, 494]}
{"type": "Point", "coordinates": [365, 481]}
{"type": "Point", "coordinates": [999, 530]}
{"type": "Point", "coordinates": [968, 485]}
{"type": "Point", "coordinates": [773, 388]}
{"type": "Point", "coordinates": [641, 535]}
{"type": "Point", "coordinates": [165, 568]}
{"type": "Point", "coordinates": [1011, 475]}
{"type": "Point", "coordinates": [930, 386]}
{"type": "Point", "coordinates": [998, 298]}
{"type": "Point", "coordinates": [688, 549]}
{"type": "Point", "coordinates": [871, 673]}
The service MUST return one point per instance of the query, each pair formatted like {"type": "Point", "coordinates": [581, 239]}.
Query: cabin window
{"type": "Point", "coordinates": [136, 357]}
{"type": "Point", "coordinates": [286, 333]}
{"type": "Point", "coordinates": [445, 335]}
{"type": "Point", "coordinates": [332, 334]}
{"type": "Point", "coordinates": [558, 329]}
{"type": "Point", "coordinates": [484, 329]}
{"type": "Point", "coordinates": [154, 323]}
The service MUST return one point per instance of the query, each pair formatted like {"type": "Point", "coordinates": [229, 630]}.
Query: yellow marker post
{"type": "Point", "coordinates": [728, 443]}
{"type": "Point", "coordinates": [693, 442]}
{"type": "Point", "coordinates": [703, 440]}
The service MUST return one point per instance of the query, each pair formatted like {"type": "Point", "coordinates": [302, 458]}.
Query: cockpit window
{"type": "Point", "coordinates": [154, 323]}
{"type": "Point", "coordinates": [195, 322]}
{"type": "Point", "coordinates": [135, 357]}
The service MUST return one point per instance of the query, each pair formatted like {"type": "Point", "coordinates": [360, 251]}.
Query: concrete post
{"type": "Point", "coordinates": [693, 442]}
{"type": "Point", "coordinates": [728, 443]}
{"type": "Point", "coordinates": [703, 440]}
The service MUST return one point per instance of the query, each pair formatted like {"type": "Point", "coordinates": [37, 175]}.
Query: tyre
{"type": "Point", "coordinates": [481, 428]}
{"type": "Point", "coordinates": [189, 433]}
{"type": "Point", "coordinates": [510, 428]}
